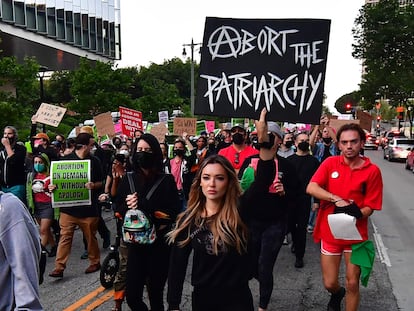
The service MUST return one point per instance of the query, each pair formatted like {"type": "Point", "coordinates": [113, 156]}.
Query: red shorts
{"type": "Point", "coordinates": [332, 249]}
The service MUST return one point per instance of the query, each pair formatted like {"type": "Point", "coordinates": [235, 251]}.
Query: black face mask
{"type": "Point", "coordinates": [178, 152]}
{"type": "Point", "coordinates": [144, 159]}
{"type": "Point", "coordinates": [238, 138]}
{"type": "Point", "coordinates": [289, 144]}
{"type": "Point", "coordinates": [303, 146]}
{"type": "Point", "coordinates": [327, 140]}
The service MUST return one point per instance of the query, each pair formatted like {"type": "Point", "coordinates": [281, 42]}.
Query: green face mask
{"type": "Point", "coordinates": [39, 167]}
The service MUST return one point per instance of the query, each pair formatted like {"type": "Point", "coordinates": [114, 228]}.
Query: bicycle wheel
{"type": "Point", "coordinates": [109, 269]}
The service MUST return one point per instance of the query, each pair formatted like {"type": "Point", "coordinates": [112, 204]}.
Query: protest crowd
{"type": "Point", "coordinates": [233, 196]}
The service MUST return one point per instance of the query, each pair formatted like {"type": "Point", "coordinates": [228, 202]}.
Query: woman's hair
{"type": "Point", "coordinates": [152, 141]}
{"type": "Point", "coordinates": [226, 225]}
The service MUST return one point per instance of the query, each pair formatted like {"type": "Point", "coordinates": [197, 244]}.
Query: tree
{"type": "Point", "coordinates": [97, 88]}
{"type": "Point", "coordinates": [19, 94]}
{"type": "Point", "coordinates": [350, 99]}
{"type": "Point", "coordinates": [384, 40]}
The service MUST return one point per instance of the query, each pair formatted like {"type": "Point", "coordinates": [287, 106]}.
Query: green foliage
{"type": "Point", "coordinates": [97, 88]}
{"type": "Point", "coordinates": [19, 95]}
{"type": "Point", "coordinates": [57, 88]}
{"type": "Point", "coordinates": [384, 40]}
{"type": "Point", "coordinates": [93, 88]}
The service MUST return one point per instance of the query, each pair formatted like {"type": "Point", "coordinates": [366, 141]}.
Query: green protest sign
{"type": "Point", "coordinates": [70, 178]}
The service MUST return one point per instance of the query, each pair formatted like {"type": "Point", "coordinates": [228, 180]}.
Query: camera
{"type": "Point", "coordinates": [120, 157]}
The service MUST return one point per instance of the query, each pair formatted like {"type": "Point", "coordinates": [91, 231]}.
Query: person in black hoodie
{"type": "Point", "coordinates": [148, 264]}
{"type": "Point", "coordinates": [12, 164]}
{"type": "Point", "coordinates": [305, 165]}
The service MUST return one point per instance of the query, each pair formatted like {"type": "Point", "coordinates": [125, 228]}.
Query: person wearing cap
{"type": "Point", "coordinates": [105, 157]}
{"type": "Point", "coordinates": [238, 151]}
{"type": "Point", "coordinates": [12, 164]}
{"type": "Point", "coordinates": [268, 221]}
{"type": "Point", "coordinates": [85, 217]}
{"type": "Point", "coordinates": [40, 142]}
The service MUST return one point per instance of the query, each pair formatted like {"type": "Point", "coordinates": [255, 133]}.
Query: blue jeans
{"type": "Point", "coordinates": [266, 239]}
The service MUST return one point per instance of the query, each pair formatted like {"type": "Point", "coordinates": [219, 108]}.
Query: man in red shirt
{"type": "Point", "coordinates": [350, 184]}
{"type": "Point", "coordinates": [238, 151]}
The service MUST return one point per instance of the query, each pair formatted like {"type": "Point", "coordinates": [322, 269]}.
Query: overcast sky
{"type": "Point", "coordinates": [155, 30]}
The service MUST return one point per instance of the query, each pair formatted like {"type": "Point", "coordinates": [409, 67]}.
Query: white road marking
{"type": "Point", "coordinates": [382, 250]}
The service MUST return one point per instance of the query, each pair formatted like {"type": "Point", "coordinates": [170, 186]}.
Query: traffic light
{"type": "Point", "coordinates": [348, 107]}
{"type": "Point", "coordinates": [378, 118]}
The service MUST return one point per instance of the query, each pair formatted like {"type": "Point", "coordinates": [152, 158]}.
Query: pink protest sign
{"type": "Point", "coordinates": [131, 120]}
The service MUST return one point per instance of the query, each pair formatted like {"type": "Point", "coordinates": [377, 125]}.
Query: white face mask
{"type": "Point", "coordinates": [124, 152]}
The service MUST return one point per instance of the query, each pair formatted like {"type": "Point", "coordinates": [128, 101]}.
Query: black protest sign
{"type": "Point", "coordinates": [248, 64]}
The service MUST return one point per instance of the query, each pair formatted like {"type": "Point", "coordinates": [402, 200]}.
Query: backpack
{"type": "Point", "coordinates": [138, 227]}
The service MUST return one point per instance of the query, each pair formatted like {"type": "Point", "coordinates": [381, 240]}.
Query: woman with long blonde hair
{"type": "Point", "coordinates": [213, 228]}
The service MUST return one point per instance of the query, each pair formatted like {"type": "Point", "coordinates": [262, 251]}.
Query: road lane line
{"type": "Point", "coordinates": [99, 301]}
{"type": "Point", "coordinates": [382, 250]}
{"type": "Point", "coordinates": [85, 299]}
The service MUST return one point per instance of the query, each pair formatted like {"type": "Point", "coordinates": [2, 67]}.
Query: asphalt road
{"type": "Point", "coordinates": [294, 289]}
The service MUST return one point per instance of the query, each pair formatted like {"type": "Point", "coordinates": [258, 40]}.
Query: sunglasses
{"type": "Point", "coordinates": [237, 158]}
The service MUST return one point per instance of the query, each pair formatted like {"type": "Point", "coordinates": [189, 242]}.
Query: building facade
{"type": "Point", "coordinates": [58, 32]}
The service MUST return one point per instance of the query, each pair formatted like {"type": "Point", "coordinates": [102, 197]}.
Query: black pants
{"type": "Point", "coordinates": [147, 265]}
{"type": "Point", "coordinates": [267, 239]}
{"type": "Point", "coordinates": [298, 221]}
{"type": "Point", "coordinates": [219, 299]}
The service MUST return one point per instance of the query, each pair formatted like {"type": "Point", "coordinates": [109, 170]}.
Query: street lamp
{"type": "Point", "coordinates": [191, 45]}
{"type": "Point", "coordinates": [41, 75]}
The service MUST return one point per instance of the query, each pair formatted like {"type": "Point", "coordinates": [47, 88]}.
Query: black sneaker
{"type": "Point", "coordinates": [335, 301]}
{"type": "Point", "coordinates": [84, 255]}
{"type": "Point", "coordinates": [52, 252]}
{"type": "Point", "coordinates": [299, 263]}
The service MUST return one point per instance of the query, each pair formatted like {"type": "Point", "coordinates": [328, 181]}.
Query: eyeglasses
{"type": "Point", "coordinates": [139, 149]}
{"type": "Point", "coordinates": [237, 158]}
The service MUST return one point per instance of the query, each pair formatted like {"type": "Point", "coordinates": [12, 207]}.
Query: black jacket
{"type": "Point", "coordinates": [265, 206]}
{"type": "Point", "coordinates": [12, 169]}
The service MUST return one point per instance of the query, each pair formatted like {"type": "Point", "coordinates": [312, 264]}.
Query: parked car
{"type": "Point", "coordinates": [371, 141]}
{"type": "Point", "coordinates": [398, 148]}
{"type": "Point", "coordinates": [386, 138]}
{"type": "Point", "coordinates": [409, 163]}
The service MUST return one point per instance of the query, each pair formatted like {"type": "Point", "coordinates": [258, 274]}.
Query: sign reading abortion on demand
{"type": "Point", "coordinates": [70, 178]}
{"type": "Point", "coordinates": [248, 64]}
